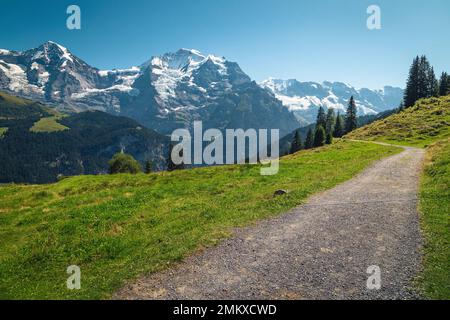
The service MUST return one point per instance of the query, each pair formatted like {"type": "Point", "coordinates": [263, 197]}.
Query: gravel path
{"type": "Point", "coordinates": [320, 250]}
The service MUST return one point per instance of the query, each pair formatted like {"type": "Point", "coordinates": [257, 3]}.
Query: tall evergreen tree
{"type": "Point", "coordinates": [330, 121]}
{"type": "Point", "coordinates": [350, 118]}
{"type": "Point", "coordinates": [339, 126]}
{"type": "Point", "coordinates": [296, 144]}
{"type": "Point", "coordinates": [423, 86]}
{"type": "Point", "coordinates": [319, 137]}
{"type": "Point", "coordinates": [411, 91]}
{"type": "Point", "coordinates": [148, 166]}
{"type": "Point", "coordinates": [309, 143]}
{"type": "Point", "coordinates": [433, 83]}
{"type": "Point", "coordinates": [444, 84]}
{"type": "Point", "coordinates": [321, 118]}
{"type": "Point", "coordinates": [421, 83]}
{"type": "Point", "coordinates": [329, 138]}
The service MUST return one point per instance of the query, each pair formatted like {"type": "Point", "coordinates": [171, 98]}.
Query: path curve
{"type": "Point", "coordinates": [320, 250]}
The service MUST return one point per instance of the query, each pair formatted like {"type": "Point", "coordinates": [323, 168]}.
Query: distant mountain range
{"type": "Point", "coordinates": [173, 90]}
{"type": "Point", "coordinates": [164, 93]}
{"type": "Point", "coordinates": [305, 98]}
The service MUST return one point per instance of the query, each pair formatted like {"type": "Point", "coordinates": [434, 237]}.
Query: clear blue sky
{"type": "Point", "coordinates": [312, 40]}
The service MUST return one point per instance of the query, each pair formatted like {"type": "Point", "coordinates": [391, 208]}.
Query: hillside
{"type": "Point", "coordinates": [121, 226]}
{"type": "Point", "coordinates": [434, 206]}
{"type": "Point", "coordinates": [426, 124]}
{"type": "Point", "coordinates": [38, 143]}
{"type": "Point", "coordinates": [427, 121]}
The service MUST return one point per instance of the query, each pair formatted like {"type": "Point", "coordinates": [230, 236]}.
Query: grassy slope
{"type": "Point", "coordinates": [426, 124]}
{"type": "Point", "coordinates": [2, 131]}
{"type": "Point", "coordinates": [48, 124]}
{"type": "Point", "coordinates": [118, 227]}
{"type": "Point", "coordinates": [419, 126]}
{"type": "Point", "coordinates": [18, 108]}
{"type": "Point", "coordinates": [435, 208]}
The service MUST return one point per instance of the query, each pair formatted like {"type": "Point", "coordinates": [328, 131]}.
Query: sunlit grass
{"type": "Point", "coordinates": [119, 227]}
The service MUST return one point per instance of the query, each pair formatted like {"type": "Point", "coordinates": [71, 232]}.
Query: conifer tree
{"type": "Point", "coordinates": [421, 83]}
{"type": "Point", "coordinates": [321, 118]}
{"type": "Point", "coordinates": [319, 137]}
{"type": "Point", "coordinates": [433, 84]}
{"type": "Point", "coordinates": [444, 84]}
{"type": "Point", "coordinates": [423, 86]}
{"type": "Point", "coordinates": [411, 91]}
{"type": "Point", "coordinates": [339, 126]}
{"type": "Point", "coordinates": [350, 118]}
{"type": "Point", "coordinates": [296, 142]}
{"type": "Point", "coordinates": [329, 138]}
{"type": "Point", "coordinates": [330, 121]}
{"type": "Point", "coordinates": [309, 143]}
{"type": "Point", "coordinates": [148, 167]}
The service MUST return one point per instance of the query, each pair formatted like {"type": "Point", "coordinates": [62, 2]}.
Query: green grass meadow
{"type": "Point", "coordinates": [435, 209]}
{"type": "Point", "coordinates": [419, 126]}
{"type": "Point", "coordinates": [118, 227]}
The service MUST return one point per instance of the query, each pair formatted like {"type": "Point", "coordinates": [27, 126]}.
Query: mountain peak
{"type": "Point", "coordinates": [50, 53]}
{"type": "Point", "coordinates": [303, 98]}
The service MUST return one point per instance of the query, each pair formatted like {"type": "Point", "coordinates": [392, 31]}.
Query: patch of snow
{"type": "Point", "coordinates": [35, 66]}
{"type": "Point", "coordinates": [18, 79]}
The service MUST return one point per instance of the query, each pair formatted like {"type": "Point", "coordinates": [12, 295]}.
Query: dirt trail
{"type": "Point", "coordinates": [320, 250]}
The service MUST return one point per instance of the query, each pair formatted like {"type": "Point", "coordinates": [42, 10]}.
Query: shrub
{"type": "Point", "coordinates": [124, 163]}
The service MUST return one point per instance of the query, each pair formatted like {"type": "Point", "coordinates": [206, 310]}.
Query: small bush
{"type": "Point", "coordinates": [124, 163]}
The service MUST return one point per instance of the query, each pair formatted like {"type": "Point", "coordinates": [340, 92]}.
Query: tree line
{"type": "Point", "coordinates": [328, 125]}
{"type": "Point", "coordinates": [422, 82]}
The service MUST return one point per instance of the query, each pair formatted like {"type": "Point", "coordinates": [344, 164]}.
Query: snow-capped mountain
{"type": "Point", "coordinates": [304, 98]}
{"type": "Point", "coordinates": [164, 93]}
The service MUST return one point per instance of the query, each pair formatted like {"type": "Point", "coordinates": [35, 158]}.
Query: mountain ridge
{"type": "Point", "coordinates": [304, 98]}
{"type": "Point", "coordinates": [164, 93]}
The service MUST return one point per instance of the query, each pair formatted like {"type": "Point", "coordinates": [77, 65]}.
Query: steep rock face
{"type": "Point", "coordinates": [177, 89]}
{"type": "Point", "coordinates": [305, 98]}
{"type": "Point", "coordinates": [165, 93]}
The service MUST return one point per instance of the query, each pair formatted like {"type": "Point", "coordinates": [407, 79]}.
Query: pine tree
{"type": "Point", "coordinates": [411, 91]}
{"type": "Point", "coordinates": [296, 142]}
{"type": "Point", "coordinates": [339, 126]}
{"type": "Point", "coordinates": [350, 118]}
{"type": "Point", "coordinates": [421, 83]}
{"type": "Point", "coordinates": [321, 118]}
{"type": "Point", "coordinates": [444, 84]}
{"type": "Point", "coordinates": [319, 137]}
{"type": "Point", "coordinates": [329, 138]}
{"type": "Point", "coordinates": [148, 167]}
{"type": "Point", "coordinates": [309, 143]}
{"type": "Point", "coordinates": [433, 83]}
{"type": "Point", "coordinates": [330, 121]}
